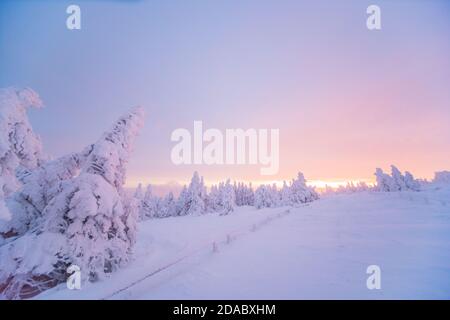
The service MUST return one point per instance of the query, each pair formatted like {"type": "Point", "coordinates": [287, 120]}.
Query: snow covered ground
{"type": "Point", "coordinates": [320, 250]}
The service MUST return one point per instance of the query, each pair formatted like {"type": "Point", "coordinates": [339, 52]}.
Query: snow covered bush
{"type": "Point", "coordinates": [350, 187]}
{"type": "Point", "coordinates": [88, 221]}
{"type": "Point", "coordinates": [442, 177]}
{"type": "Point", "coordinates": [396, 181]}
{"type": "Point", "coordinates": [20, 147]}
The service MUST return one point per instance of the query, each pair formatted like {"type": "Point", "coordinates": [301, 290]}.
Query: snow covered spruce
{"type": "Point", "coordinates": [72, 210]}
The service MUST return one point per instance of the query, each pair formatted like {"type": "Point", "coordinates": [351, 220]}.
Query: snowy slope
{"type": "Point", "coordinates": [320, 250]}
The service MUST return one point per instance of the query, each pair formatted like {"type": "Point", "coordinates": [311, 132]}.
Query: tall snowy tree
{"type": "Point", "coordinates": [88, 222]}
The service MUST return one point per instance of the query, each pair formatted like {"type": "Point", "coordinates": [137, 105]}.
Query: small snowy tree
{"type": "Point", "coordinates": [300, 192]}
{"type": "Point", "coordinates": [385, 182]}
{"type": "Point", "coordinates": [227, 197]}
{"type": "Point", "coordinates": [149, 205]}
{"type": "Point", "coordinates": [193, 200]}
{"type": "Point", "coordinates": [410, 182]}
{"type": "Point", "coordinates": [213, 199]}
{"type": "Point", "coordinates": [264, 197]}
{"type": "Point", "coordinates": [398, 178]}
{"type": "Point", "coordinates": [181, 202]}
{"type": "Point", "coordinates": [168, 206]}
{"type": "Point", "coordinates": [285, 194]}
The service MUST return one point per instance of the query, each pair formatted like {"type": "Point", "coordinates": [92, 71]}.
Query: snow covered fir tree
{"type": "Point", "coordinates": [72, 210]}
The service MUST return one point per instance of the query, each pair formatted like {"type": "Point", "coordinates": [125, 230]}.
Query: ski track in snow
{"type": "Point", "coordinates": [318, 251]}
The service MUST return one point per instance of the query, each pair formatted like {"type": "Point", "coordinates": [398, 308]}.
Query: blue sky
{"type": "Point", "coordinates": [345, 99]}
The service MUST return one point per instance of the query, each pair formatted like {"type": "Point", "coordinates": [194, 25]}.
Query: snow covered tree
{"type": "Point", "coordinates": [168, 206]}
{"type": "Point", "coordinates": [20, 147]}
{"type": "Point", "coordinates": [244, 194]}
{"type": "Point", "coordinates": [384, 181]}
{"type": "Point", "coordinates": [285, 195]}
{"type": "Point", "coordinates": [300, 192]}
{"type": "Point", "coordinates": [264, 197]}
{"type": "Point", "coordinates": [181, 202]}
{"type": "Point", "coordinates": [149, 205]}
{"type": "Point", "coordinates": [399, 179]}
{"type": "Point", "coordinates": [213, 200]}
{"type": "Point", "coordinates": [88, 222]}
{"type": "Point", "coordinates": [227, 198]}
{"type": "Point", "coordinates": [249, 197]}
{"type": "Point", "coordinates": [410, 182]}
{"type": "Point", "coordinates": [193, 201]}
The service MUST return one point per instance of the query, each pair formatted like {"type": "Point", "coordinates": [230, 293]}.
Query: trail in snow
{"type": "Point", "coordinates": [231, 235]}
